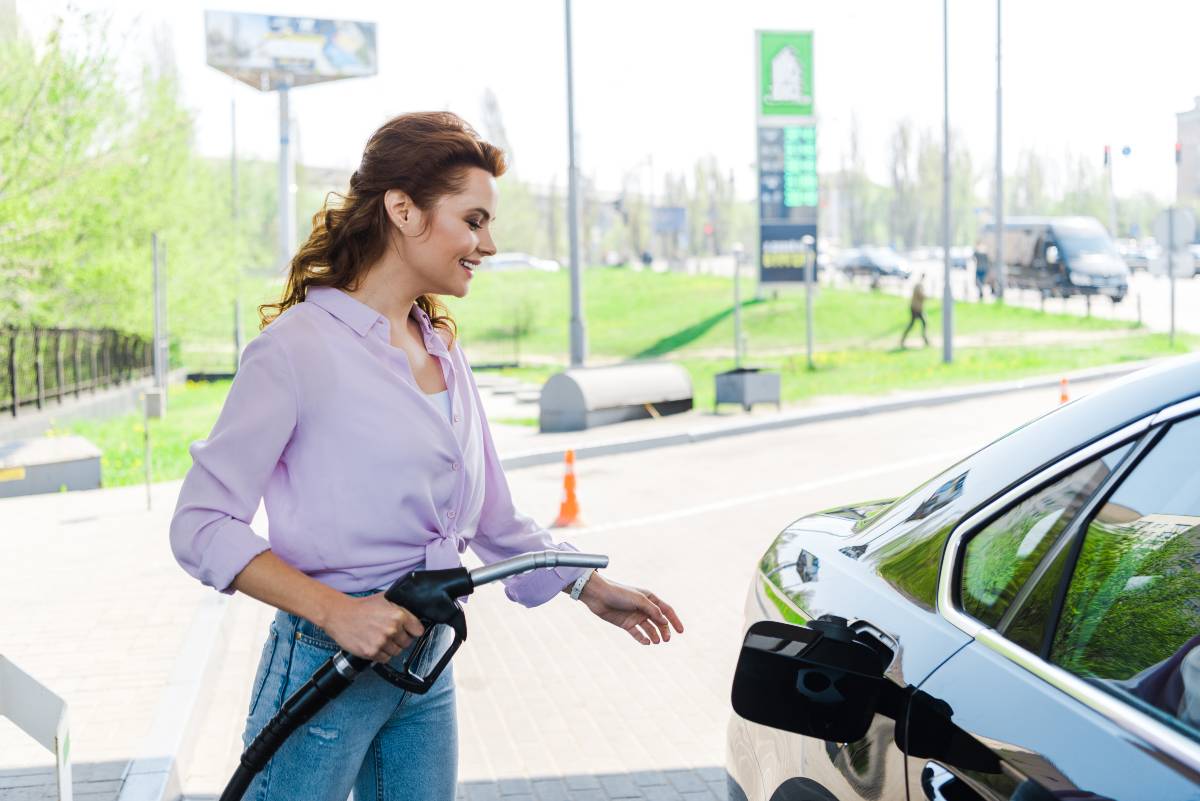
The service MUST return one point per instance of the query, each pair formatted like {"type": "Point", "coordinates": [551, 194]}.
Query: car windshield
{"type": "Point", "coordinates": [1085, 243]}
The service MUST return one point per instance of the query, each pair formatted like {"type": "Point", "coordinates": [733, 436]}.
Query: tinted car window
{"type": "Point", "coordinates": [1002, 557]}
{"type": "Point", "coordinates": [1131, 618]}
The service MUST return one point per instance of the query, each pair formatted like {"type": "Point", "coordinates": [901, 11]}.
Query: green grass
{"type": "Point", "coordinates": [877, 372]}
{"type": "Point", "coordinates": [192, 409]}
{"type": "Point", "coordinates": [688, 319]}
{"type": "Point", "coordinates": [652, 315]}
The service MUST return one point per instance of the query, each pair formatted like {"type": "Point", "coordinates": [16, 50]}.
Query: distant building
{"type": "Point", "coordinates": [1187, 187]}
{"type": "Point", "coordinates": [1156, 530]}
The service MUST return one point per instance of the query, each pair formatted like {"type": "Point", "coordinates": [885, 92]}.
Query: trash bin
{"type": "Point", "coordinates": [748, 386]}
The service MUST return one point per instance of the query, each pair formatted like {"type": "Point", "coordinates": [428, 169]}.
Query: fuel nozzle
{"type": "Point", "coordinates": [534, 560]}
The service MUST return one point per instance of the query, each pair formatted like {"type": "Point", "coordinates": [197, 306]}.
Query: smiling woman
{"type": "Point", "coordinates": [355, 418]}
{"type": "Point", "coordinates": [411, 167]}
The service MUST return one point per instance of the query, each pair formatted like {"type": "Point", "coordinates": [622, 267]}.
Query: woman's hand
{"type": "Point", "coordinates": [640, 612]}
{"type": "Point", "coordinates": [371, 626]}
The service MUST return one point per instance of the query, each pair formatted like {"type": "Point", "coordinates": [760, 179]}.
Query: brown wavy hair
{"type": "Point", "coordinates": [424, 154]}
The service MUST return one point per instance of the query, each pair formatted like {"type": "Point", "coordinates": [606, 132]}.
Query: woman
{"type": "Point", "coordinates": [355, 417]}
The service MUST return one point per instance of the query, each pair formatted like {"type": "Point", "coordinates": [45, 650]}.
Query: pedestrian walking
{"type": "Point", "coordinates": [356, 419]}
{"type": "Point", "coordinates": [916, 308]}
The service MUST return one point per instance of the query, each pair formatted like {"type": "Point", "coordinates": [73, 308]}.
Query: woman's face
{"type": "Point", "coordinates": [443, 246]}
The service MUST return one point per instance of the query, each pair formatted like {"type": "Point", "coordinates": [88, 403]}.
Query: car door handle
{"type": "Point", "coordinates": [940, 784]}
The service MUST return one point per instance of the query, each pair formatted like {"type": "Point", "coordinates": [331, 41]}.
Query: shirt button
{"type": "Point", "coordinates": [451, 514]}
{"type": "Point", "coordinates": [455, 466]}
{"type": "Point", "coordinates": [457, 418]}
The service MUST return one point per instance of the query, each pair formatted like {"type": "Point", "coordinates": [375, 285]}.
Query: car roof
{"type": "Point", "coordinates": [1043, 441]}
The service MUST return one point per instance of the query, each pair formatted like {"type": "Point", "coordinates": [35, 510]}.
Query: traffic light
{"type": "Point", "coordinates": [1106, 155]}
{"type": "Point", "coordinates": [1178, 151]}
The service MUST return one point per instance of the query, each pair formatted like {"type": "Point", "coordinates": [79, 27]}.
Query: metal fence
{"type": "Point", "coordinates": [38, 365]}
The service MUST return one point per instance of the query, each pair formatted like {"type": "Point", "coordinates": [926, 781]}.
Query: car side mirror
{"type": "Point", "coordinates": [1052, 254]}
{"type": "Point", "coordinates": [820, 680]}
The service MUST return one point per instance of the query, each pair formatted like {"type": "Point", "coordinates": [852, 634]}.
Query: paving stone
{"type": "Point", "coordinates": [618, 785]}
{"type": "Point", "coordinates": [588, 795]}
{"type": "Point", "coordinates": [582, 781]}
{"type": "Point", "coordinates": [648, 778]}
{"type": "Point", "coordinates": [703, 795]}
{"type": "Point", "coordinates": [480, 791]}
{"type": "Point", "coordinates": [660, 792]}
{"type": "Point", "coordinates": [551, 790]}
{"type": "Point", "coordinates": [686, 781]}
{"type": "Point", "coordinates": [515, 787]}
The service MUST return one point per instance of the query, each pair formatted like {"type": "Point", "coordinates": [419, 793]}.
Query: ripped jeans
{"type": "Point", "coordinates": [383, 742]}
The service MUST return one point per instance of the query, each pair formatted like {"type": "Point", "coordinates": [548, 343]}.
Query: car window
{"type": "Point", "coordinates": [1002, 558]}
{"type": "Point", "coordinates": [1131, 617]}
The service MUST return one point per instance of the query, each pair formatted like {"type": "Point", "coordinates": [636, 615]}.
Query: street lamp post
{"type": "Point", "coordinates": [947, 295]}
{"type": "Point", "coordinates": [1001, 269]}
{"type": "Point", "coordinates": [578, 328]}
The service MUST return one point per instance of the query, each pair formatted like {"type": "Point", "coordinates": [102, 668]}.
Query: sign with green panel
{"type": "Point", "coordinates": [785, 74]}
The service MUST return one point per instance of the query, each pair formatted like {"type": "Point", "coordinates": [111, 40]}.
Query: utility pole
{"type": "Point", "coordinates": [947, 295]}
{"type": "Point", "coordinates": [578, 328]}
{"type": "Point", "coordinates": [1001, 269]}
{"type": "Point", "coordinates": [287, 223]}
{"type": "Point", "coordinates": [233, 176]}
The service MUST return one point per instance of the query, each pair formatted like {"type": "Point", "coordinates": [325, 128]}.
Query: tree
{"type": "Point", "coordinates": [493, 125]}
{"type": "Point", "coordinates": [902, 220]}
{"type": "Point", "coordinates": [91, 165]}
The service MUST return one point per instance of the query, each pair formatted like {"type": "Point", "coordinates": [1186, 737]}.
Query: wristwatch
{"type": "Point", "coordinates": [580, 583]}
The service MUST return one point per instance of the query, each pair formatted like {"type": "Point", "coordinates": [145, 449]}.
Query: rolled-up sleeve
{"type": "Point", "coordinates": [504, 532]}
{"type": "Point", "coordinates": [210, 531]}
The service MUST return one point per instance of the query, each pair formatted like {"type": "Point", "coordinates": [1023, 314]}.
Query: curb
{"type": "Point", "coordinates": [612, 447]}
{"type": "Point", "coordinates": [157, 772]}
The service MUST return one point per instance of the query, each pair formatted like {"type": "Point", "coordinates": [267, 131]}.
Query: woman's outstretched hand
{"type": "Point", "coordinates": [646, 617]}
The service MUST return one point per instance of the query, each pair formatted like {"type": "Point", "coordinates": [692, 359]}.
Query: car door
{"type": "Point", "coordinates": [1082, 591]}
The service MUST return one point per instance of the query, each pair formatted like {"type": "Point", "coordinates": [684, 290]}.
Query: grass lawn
{"type": "Point", "coordinates": [192, 409]}
{"type": "Point", "coordinates": [652, 315]}
{"type": "Point", "coordinates": [688, 319]}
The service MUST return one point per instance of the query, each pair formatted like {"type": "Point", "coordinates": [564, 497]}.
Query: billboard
{"type": "Point", "coordinates": [268, 51]}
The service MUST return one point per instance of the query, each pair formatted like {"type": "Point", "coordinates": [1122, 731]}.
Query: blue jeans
{"type": "Point", "coordinates": [385, 743]}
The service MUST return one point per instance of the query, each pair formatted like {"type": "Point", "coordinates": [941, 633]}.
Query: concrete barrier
{"type": "Point", "coordinates": [47, 464]}
{"type": "Point", "coordinates": [582, 398]}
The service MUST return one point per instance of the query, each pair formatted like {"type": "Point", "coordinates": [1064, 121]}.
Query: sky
{"type": "Point", "coordinates": [661, 83]}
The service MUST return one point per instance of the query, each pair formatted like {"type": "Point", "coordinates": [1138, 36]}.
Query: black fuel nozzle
{"type": "Point", "coordinates": [432, 596]}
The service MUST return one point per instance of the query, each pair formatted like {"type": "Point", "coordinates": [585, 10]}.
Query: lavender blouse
{"type": "Point", "coordinates": [364, 478]}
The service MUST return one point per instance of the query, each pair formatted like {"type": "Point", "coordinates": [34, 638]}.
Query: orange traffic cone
{"type": "Point", "coordinates": [1063, 397]}
{"type": "Point", "coordinates": [568, 513]}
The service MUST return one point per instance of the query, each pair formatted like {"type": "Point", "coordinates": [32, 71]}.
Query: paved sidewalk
{"type": "Point", "coordinates": [93, 605]}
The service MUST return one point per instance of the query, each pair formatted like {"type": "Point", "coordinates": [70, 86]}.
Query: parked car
{"type": "Point", "coordinates": [875, 262]}
{"type": "Point", "coordinates": [519, 261]}
{"type": "Point", "coordinates": [962, 258]}
{"type": "Point", "coordinates": [1058, 256]}
{"type": "Point", "coordinates": [1133, 254]}
{"type": "Point", "coordinates": [1025, 625]}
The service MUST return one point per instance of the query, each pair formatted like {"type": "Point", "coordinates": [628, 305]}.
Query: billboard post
{"type": "Point", "coordinates": [272, 53]}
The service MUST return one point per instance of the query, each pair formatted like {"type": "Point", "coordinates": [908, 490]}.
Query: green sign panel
{"type": "Point", "coordinates": [785, 82]}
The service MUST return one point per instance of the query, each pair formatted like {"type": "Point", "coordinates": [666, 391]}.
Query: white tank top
{"type": "Point", "coordinates": [441, 400]}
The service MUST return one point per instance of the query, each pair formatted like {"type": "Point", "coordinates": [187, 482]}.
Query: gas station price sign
{"type": "Point", "coordinates": [787, 155]}
{"type": "Point", "coordinates": [787, 159]}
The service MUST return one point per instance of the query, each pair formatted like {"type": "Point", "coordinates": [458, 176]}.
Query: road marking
{"type": "Point", "coordinates": [730, 503]}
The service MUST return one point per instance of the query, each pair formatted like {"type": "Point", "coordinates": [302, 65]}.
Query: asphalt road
{"type": "Point", "coordinates": [1149, 296]}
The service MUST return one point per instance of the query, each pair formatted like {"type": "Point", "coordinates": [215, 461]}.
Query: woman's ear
{"type": "Point", "coordinates": [399, 207]}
